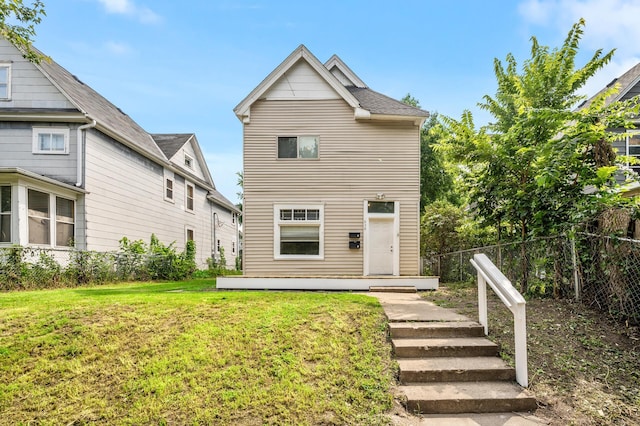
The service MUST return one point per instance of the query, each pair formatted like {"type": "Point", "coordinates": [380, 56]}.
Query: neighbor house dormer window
{"type": "Point", "coordinates": [50, 140]}
{"type": "Point", "coordinates": [298, 146]}
{"type": "Point", "coordinates": [5, 82]}
{"type": "Point", "coordinates": [188, 161]}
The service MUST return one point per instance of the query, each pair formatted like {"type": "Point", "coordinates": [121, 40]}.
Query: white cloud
{"type": "Point", "coordinates": [611, 24]}
{"type": "Point", "coordinates": [117, 48]}
{"type": "Point", "coordinates": [129, 8]}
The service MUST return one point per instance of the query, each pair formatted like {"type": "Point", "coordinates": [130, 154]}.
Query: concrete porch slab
{"type": "Point", "coordinates": [341, 283]}
{"type": "Point", "coordinates": [412, 307]}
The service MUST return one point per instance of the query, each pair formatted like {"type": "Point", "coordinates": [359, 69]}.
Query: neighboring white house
{"type": "Point", "coordinates": [331, 178]}
{"type": "Point", "coordinates": [76, 170]}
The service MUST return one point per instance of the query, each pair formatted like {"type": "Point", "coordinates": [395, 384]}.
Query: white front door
{"type": "Point", "coordinates": [380, 246]}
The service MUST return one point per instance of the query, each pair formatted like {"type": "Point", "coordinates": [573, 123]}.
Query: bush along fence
{"type": "Point", "coordinates": [600, 271]}
{"type": "Point", "coordinates": [34, 268]}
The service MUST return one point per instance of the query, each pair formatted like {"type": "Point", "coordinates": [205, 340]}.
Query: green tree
{"type": "Point", "coordinates": [435, 182]}
{"type": "Point", "coordinates": [539, 167]}
{"type": "Point", "coordinates": [22, 32]}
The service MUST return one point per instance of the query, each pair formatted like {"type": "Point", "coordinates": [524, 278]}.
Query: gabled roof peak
{"type": "Point", "coordinates": [335, 63]}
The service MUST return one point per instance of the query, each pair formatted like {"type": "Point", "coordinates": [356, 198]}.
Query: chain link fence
{"type": "Point", "coordinates": [603, 272]}
{"type": "Point", "coordinates": [23, 268]}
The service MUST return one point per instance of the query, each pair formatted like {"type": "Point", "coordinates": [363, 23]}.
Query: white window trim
{"type": "Point", "coordinates": [52, 130]}
{"type": "Point", "coordinates": [276, 230]}
{"type": "Point", "coordinates": [8, 67]}
{"type": "Point", "coordinates": [168, 175]}
{"type": "Point", "coordinates": [53, 219]}
{"type": "Point", "coordinates": [628, 135]}
{"type": "Point", "coordinates": [188, 159]}
{"type": "Point", "coordinates": [186, 233]}
{"type": "Point", "coordinates": [9, 213]}
{"type": "Point", "coordinates": [188, 184]}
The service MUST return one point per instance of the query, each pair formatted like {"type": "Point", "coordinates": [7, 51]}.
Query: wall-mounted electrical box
{"type": "Point", "coordinates": [354, 235]}
{"type": "Point", "coordinates": [354, 244]}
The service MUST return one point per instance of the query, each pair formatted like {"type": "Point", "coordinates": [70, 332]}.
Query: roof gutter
{"type": "Point", "coordinates": [80, 151]}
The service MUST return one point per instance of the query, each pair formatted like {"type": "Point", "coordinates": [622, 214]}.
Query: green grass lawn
{"type": "Point", "coordinates": [177, 353]}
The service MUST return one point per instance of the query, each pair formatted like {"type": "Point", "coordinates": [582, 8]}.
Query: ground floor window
{"type": "Point", "coordinates": [5, 214]}
{"type": "Point", "coordinates": [42, 207]}
{"type": "Point", "coordinates": [299, 231]}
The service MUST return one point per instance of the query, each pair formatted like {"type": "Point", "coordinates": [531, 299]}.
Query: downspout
{"type": "Point", "coordinates": [80, 143]}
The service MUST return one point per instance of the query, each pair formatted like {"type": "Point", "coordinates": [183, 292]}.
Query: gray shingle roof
{"type": "Point", "coordinates": [377, 103]}
{"type": "Point", "coordinates": [170, 143]}
{"type": "Point", "coordinates": [104, 112]}
{"type": "Point", "coordinates": [626, 82]}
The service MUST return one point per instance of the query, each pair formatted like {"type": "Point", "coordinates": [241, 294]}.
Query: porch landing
{"type": "Point", "coordinates": [327, 282]}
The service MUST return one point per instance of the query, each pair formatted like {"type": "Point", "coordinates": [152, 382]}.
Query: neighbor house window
{"type": "Point", "coordinates": [65, 222]}
{"type": "Point", "coordinates": [48, 140]}
{"type": "Point", "coordinates": [233, 247]}
{"type": "Point", "coordinates": [168, 189]}
{"type": "Point", "coordinates": [39, 217]}
{"type": "Point", "coordinates": [189, 235]}
{"type": "Point", "coordinates": [299, 231]}
{"type": "Point", "coordinates": [630, 146]}
{"type": "Point", "coordinates": [298, 146]}
{"type": "Point", "coordinates": [5, 214]}
{"type": "Point", "coordinates": [189, 197]}
{"type": "Point", "coordinates": [188, 161]}
{"type": "Point", "coordinates": [5, 81]}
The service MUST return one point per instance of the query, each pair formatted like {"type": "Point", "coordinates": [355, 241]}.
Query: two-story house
{"type": "Point", "coordinates": [77, 171]}
{"type": "Point", "coordinates": [331, 181]}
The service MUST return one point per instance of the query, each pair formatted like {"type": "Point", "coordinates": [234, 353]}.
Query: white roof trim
{"type": "Point", "coordinates": [335, 61]}
{"type": "Point", "coordinates": [243, 110]}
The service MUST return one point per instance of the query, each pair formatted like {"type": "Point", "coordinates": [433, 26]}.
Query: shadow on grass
{"type": "Point", "coordinates": [191, 286]}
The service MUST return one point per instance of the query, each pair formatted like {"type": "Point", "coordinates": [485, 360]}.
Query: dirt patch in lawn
{"type": "Point", "coordinates": [584, 367]}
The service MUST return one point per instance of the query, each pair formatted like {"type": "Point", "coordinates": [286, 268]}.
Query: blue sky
{"type": "Point", "coordinates": [181, 67]}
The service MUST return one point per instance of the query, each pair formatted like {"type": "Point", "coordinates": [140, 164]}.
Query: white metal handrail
{"type": "Point", "coordinates": [489, 273]}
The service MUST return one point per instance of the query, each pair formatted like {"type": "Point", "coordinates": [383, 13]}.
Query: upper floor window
{"type": "Point", "coordinates": [630, 146]}
{"type": "Point", "coordinates": [189, 197]}
{"type": "Point", "coordinates": [298, 146]}
{"type": "Point", "coordinates": [188, 161]}
{"type": "Point", "coordinates": [5, 214]}
{"type": "Point", "coordinates": [49, 140]}
{"type": "Point", "coordinates": [5, 81]}
{"type": "Point", "coordinates": [168, 189]}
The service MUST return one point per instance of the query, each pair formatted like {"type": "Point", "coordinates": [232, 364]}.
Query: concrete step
{"type": "Point", "coordinates": [393, 289]}
{"type": "Point", "coordinates": [435, 329]}
{"type": "Point", "coordinates": [445, 347]}
{"type": "Point", "coordinates": [467, 397]}
{"type": "Point", "coordinates": [460, 369]}
{"type": "Point", "coordinates": [502, 419]}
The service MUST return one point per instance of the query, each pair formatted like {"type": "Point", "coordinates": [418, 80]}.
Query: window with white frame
{"type": "Point", "coordinates": [188, 161]}
{"type": "Point", "coordinates": [298, 146]}
{"type": "Point", "coordinates": [42, 207]}
{"type": "Point", "coordinates": [189, 234]}
{"type": "Point", "coordinates": [65, 222]}
{"type": "Point", "coordinates": [50, 140]}
{"type": "Point", "coordinates": [299, 231]}
{"type": "Point", "coordinates": [629, 146]}
{"type": "Point", "coordinates": [5, 214]}
{"type": "Point", "coordinates": [39, 217]}
{"type": "Point", "coordinates": [189, 194]}
{"type": "Point", "coordinates": [168, 188]}
{"type": "Point", "coordinates": [5, 81]}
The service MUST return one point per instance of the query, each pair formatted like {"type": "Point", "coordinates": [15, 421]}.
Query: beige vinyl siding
{"type": "Point", "coordinates": [126, 198]}
{"type": "Point", "coordinates": [301, 82]}
{"type": "Point", "coordinates": [29, 88]}
{"type": "Point", "coordinates": [357, 160]}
